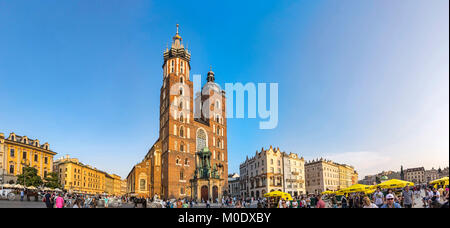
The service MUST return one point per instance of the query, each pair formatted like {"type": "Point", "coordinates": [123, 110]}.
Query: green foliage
{"type": "Point", "coordinates": [52, 180]}
{"type": "Point", "coordinates": [29, 177]}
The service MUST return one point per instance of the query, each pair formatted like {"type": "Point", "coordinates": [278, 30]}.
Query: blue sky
{"type": "Point", "coordinates": [361, 82]}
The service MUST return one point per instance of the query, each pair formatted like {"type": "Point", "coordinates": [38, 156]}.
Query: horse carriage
{"type": "Point", "coordinates": [7, 194]}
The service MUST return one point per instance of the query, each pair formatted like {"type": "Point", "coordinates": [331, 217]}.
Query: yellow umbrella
{"type": "Point", "coordinates": [327, 192]}
{"type": "Point", "coordinates": [282, 195]}
{"type": "Point", "coordinates": [438, 181]}
{"type": "Point", "coordinates": [357, 188]}
{"type": "Point", "coordinates": [274, 194]}
{"type": "Point", "coordinates": [340, 192]}
{"type": "Point", "coordinates": [395, 183]}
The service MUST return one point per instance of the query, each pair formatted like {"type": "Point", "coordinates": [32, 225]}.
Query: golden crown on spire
{"type": "Point", "coordinates": [176, 35]}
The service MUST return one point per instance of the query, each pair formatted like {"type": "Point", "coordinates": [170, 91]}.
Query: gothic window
{"type": "Point", "coordinates": [201, 139]}
{"type": "Point", "coordinates": [181, 104]}
{"type": "Point", "coordinates": [217, 104]}
{"type": "Point", "coordinates": [178, 161]}
{"type": "Point", "coordinates": [181, 131]}
{"type": "Point", "coordinates": [181, 78]}
{"type": "Point", "coordinates": [181, 91]}
{"type": "Point", "coordinates": [181, 147]}
{"type": "Point", "coordinates": [142, 184]}
{"type": "Point", "coordinates": [181, 117]}
{"type": "Point", "coordinates": [172, 66]}
{"type": "Point", "coordinates": [217, 119]}
{"type": "Point", "coordinates": [181, 67]}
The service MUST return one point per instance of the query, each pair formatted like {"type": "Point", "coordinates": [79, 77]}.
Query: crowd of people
{"type": "Point", "coordinates": [66, 200]}
{"type": "Point", "coordinates": [428, 196]}
{"type": "Point", "coordinates": [391, 198]}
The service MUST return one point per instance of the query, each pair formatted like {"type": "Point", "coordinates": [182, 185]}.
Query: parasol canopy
{"type": "Point", "coordinates": [395, 183]}
{"type": "Point", "coordinates": [282, 195]}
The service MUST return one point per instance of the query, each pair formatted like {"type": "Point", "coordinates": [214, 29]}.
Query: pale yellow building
{"type": "Point", "coordinates": [109, 184]}
{"type": "Point", "coordinates": [272, 170]}
{"type": "Point", "coordinates": [117, 185]}
{"type": "Point", "coordinates": [78, 177]}
{"type": "Point", "coordinates": [123, 187]}
{"type": "Point", "coordinates": [346, 173]}
{"type": "Point", "coordinates": [322, 175]}
{"type": "Point", "coordinates": [18, 152]}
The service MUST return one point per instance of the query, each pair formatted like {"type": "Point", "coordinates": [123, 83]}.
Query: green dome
{"type": "Point", "coordinates": [384, 178]}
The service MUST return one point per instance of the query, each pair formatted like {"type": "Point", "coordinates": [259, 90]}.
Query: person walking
{"type": "Point", "coordinates": [378, 197]}
{"type": "Point", "coordinates": [22, 194]}
{"type": "Point", "coordinates": [59, 201]}
{"type": "Point", "coordinates": [408, 198]}
{"type": "Point", "coordinates": [47, 200]}
{"type": "Point", "coordinates": [320, 202]}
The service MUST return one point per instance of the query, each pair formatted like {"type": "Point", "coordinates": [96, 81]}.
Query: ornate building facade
{"type": "Point", "coordinates": [322, 175]}
{"type": "Point", "coordinates": [191, 159]}
{"type": "Point", "coordinates": [18, 152]}
{"type": "Point", "coordinates": [78, 177]}
{"type": "Point", "coordinates": [272, 170]}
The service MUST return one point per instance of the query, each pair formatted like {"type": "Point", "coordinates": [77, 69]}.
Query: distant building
{"type": "Point", "coordinates": [322, 175]}
{"type": "Point", "coordinates": [123, 187]}
{"type": "Point", "coordinates": [443, 172]}
{"type": "Point", "coordinates": [234, 188]}
{"type": "Point", "coordinates": [415, 175]}
{"type": "Point", "coordinates": [78, 177]}
{"type": "Point", "coordinates": [432, 174]}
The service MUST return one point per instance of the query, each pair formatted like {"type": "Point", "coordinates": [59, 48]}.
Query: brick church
{"type": "Point", "coordinates": [189, 160]}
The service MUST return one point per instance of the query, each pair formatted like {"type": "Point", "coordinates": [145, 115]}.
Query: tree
{"type": "Point", "coordinates": [29, 177]}
{"type": "Point", "coordinates": [52, 180]}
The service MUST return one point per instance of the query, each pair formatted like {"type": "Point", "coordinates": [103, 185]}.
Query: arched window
{"type": "Point", "coordinates": [177, 161]}
{"type": "Point", "coordinates": [181, 91]}
{"type": "Point", "coordinates": [217, 104]}
{"type": "Point", "coordinates": [181, 131]}
{"type": "Point", "coordinates": [181, 117]}
{"type": "Point", "coordinates": [182, 79]}
{"type": "Point", "coordinates": [142, 184]}
{"type": "Point", "coordinates": [182, 147]}
{"type": "Point", "coordinates": [186, 161]}
{"type": "Point", "coordinates": [181, 104]}
{"type": "Point", "coordinates": [201, 139]}
{"type": "Point", "coordinates": [217, 119]}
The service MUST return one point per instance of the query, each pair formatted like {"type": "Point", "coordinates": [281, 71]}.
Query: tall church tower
{"type": "Point", "coordinates": [182, 135]}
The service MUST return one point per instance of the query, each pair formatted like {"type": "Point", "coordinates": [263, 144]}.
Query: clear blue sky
{"type": "Point", "coordinates": [362, 82]}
